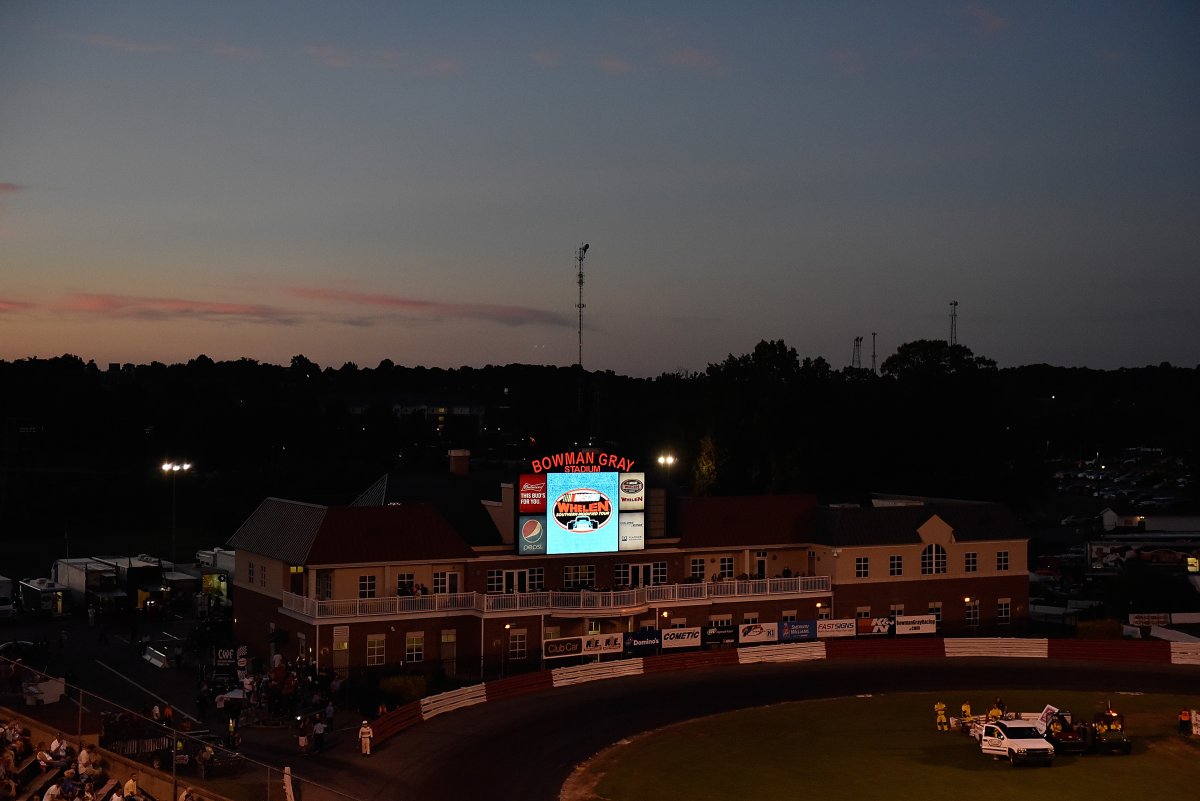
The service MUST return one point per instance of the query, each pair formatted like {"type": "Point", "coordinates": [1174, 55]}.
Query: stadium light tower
{"type": "Point", "coordinates": [173, 469]}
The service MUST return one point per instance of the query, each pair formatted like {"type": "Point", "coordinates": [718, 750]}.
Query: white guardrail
{"type": "Point", "coordinates": [998, 646]}
{"type": "Point", "coordinates": [789, 652]}
{"type": "Point", "coordinates": [1185, 653]}
{"type": "Point", "coordinates": [581, 674]}
{"type": "Point", "coordinates": [436, 705]}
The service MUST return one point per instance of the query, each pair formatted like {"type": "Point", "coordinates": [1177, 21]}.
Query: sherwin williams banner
{"type": "Point", "coordinates": [916, 624]}
{"type": "Point", "coordinates": [875, 626]}
{"type": "Point", "coordinates": [531, 535]}
{"type": "Point", "coordinates": [752, 633]}
{"type": "Point", "coordinates": [632, 531]}
{"type": "Point", "coordinates": [633, 491]}
{"type": "Point", "coordinates": [681, 638]}
{"type": "Point", "coordinates": [531, 494]}
{"type": "Point", "coordinates": [836, 628]}
{"type": "Point", "coordinates": [797, 630]}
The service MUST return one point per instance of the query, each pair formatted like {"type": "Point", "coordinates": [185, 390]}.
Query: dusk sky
{"type": "Point", "coordinates": [355, 181]}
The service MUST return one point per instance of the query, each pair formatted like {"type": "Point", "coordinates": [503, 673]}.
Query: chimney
{"type": "Point", "coordinates": [460, 462]}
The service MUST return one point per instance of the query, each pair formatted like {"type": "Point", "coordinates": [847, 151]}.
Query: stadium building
{"type": "Point", "coordinates": [581, 559]}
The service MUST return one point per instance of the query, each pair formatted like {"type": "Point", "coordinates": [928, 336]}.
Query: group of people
{"type": "Point", "coordinates": [81, 770]}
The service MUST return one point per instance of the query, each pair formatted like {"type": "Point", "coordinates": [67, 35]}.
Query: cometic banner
{"type": "Point", "coordinates": [681, 638]}
{"type": "Point", "coordinates": [797, 630]}
{"type": "Point", "coordinates": [754, 633]}
{"type": "Point", "coordinates": [719, 635]}
{"type": "Point", "coordinates": [531, 535]}
{"type": "Point", "coordinates": [836, 628]}
{"type": "Point", "coordinates": [875, 626]}
{"type": "Point", "coordinates": [916, 624]}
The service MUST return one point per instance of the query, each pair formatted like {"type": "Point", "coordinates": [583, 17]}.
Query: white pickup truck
{"type": "Point", "coordinates": [1018, 741]}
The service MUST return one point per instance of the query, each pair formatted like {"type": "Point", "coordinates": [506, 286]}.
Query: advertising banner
{"type": "Point", "coordinates": [719, 635]}
{"type": "Point", "coordinates": [531, 494]}
{"type": "Point", "coordinates": [916, 624]}
{"type": "Point", "coordinates": [875, 626]}
{"type": "Point", "coordinates": [603, 644]}
{"type": "Point", "coordinates": [531, 535]}
{"type": "Point", "coordinates": [566, 646]}
{"type": "Point", "coordinates": [643, 642]}
{"type": "Point", "coordinates": [581, 513]}
{"type": "Point", "coordinates": [836, 628]}
{"type": "Point", "coordinates": [633, 491]}
{"type": "Point", "coordinates": [1150, 619]}
{"type": "Point", "coordinates": [797, 630]}
{"type": "Point", "coordinates": [751, 633]}
{"type": "Point", "coordinates": [681, 638]}
{"type": "Point", "coordinates": [632, 531]}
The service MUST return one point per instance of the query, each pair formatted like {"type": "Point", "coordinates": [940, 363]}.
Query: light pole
{"type": "Point", "coordinates": [173, 469]}
{"type": "Point", "coordinates": [665, 461]}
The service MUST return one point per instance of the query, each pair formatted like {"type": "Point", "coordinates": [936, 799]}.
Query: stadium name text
{"type": "Point", "coordinates": [583, 462]}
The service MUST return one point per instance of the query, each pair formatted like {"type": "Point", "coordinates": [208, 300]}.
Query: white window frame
{"type": "Point", "coordinates": [366, 585]}
{"type": "Point", "coordinates": [414, 646]}
{"type": "Point", "coordinates": [376, 650]}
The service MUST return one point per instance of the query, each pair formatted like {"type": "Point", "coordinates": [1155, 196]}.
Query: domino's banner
{"type": "Point", "coordinates": [875, 626]}
{"type": "Point", "coordinates": [797, 630]}
{"type": "Point", "coordinates": [643, 642]}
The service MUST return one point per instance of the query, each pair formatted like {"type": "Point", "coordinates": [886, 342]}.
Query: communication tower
{"type": "Point", "coordinates": [579, 254]}
{"type": "Point", "coordinates": [954, 322]}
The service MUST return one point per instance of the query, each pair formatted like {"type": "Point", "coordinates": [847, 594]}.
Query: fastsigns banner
{"type": "Point", "coordinates": [916, 624]}
{"type": "Point", "coordinates": [681, 638]}
{"type": "Point", "coordinates": [836, 628]}
{"type": "Point", "coordinates": [752, 633]}
{"type": "Point", "coordinates": [531, 494]}
{"type": "Point", "coordinates": [633, 492]}
{"type": "Point", "coordinates": [565, 646]}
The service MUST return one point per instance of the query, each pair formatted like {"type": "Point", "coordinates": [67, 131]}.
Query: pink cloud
{"type": "Point", "coordinates": [546, 58]}
{"type": "Point", "coordinates": [509, 315]}
{"type": "Point", "coordinates": [241, 52]}
{"type": "Point", "coordinates": [124, 45]}
{"type": "Point", "coordinates": [614, 65]}
{"type": "Point", "coordinates": [848, 62]}
{"type": "Point", "coordinates": [329, 55]}
{"type": "Point", "coordinates": [166, 308]}
{"type": "Point", "coordinates": [13, 305]}
{"type": "Point", "coordinates": [696, 59]}
{"type": "Point", "coordinates": [987, 22]}
{"type": "Point", "coordinates": [9, 189]}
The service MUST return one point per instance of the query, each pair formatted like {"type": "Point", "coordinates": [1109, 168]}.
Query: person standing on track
{"type": "Point", "coordinates": [365, 735]}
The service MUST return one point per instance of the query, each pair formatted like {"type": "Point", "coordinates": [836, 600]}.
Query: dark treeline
{"type": "Point", "coordinates": [82, 445]}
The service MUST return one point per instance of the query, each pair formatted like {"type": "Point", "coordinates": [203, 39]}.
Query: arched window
{"type": "Point", "coordinates": [933, 560]}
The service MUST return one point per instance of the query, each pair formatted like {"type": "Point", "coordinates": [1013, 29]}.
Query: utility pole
{"type": "Point", "coordinates": [873, 335]}
{"type": "Point", "coordinates": [954, 322]}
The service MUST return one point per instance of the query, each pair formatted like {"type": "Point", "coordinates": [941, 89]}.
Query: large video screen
{"type": "Point", "coordinates": [582, 514]}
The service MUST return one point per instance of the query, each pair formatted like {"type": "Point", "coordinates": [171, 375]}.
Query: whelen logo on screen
{"type": "Point", "coordinates": [582, 510]}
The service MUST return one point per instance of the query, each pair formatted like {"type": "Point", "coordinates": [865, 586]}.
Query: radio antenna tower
{"type": "Point", "coordinates": [953, 322]}
{"type": "Point", "coordinates": [579, 254]}
{"type": "Point", "coordinates": [873, 335]}
{"type": "Point", "coordinates": [856, 359]}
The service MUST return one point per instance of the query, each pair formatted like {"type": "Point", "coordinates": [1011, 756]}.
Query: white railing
{"type": "Point", "coordinates": [586, 600]}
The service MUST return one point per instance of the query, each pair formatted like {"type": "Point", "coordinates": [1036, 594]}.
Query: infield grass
{"type": "Point", "coordinates": [887, 746]}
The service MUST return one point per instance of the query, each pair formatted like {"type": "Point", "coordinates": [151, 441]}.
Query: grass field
{"type": "Point", "coordinates": [886, 746]}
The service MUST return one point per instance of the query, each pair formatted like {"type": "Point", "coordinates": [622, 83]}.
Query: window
{"type": "Point", "coordinates": [593, 627]}
{"type": "Point", "coordinates": [863, 612]}
{"type": "Point", "coordinates": [414, 646]}
{"type": "Point", "coordinates": [1002, 561]}
{"type": "Point", "coordinates": [720, 620]}
{"type": "Point", "coordinates": [366, 586]}
{"type": "Point", "coordinates": [862, 566]}
{"type": "Point", "coordinates": [726, 569]}
{"type": "Point", "coordinates": [578, 576]}
{"type": "Point", "coordinates": [1004, 611]}
{"type": "Point", "coordinates": [537, 579]}
{"type": "Point", "coordinates": [679, 622]}
{"type": "Point", "coordinates": [935, 609]}
{"type": "Point", "coordinates": [495, 581]}
{"type": "Point", "coordinates": [895, 565]}
{"type": "Point", "coordinates": [895, 610]}
{"type": "Point", "coordinates": [375, 649]}
{"type": "Point", "coordinates": [262, 575]}
{"type": "Point", "coordinates": [971, 562]}
{"type": "Point", "coordinates": [405, 583]}
{"type": "Point", "coordinates": [658, 573]}
{"type": "Point", "coordinates": [697, 572]}
{"type": "Point", "coordinates": [249, 572]}
{"type": "Point", "coordinates": [933, 560]}
{"type": "Point", "coordinates": [324, 585]}
{"type": "Point", "coordinates": [552, 633]}
{"type": "Point", "coordinates": [621, 574]}
{"type": "Point", "coordinates": [788, 616]}
{"type": "Point", "coordinates": [750, 617]}
{"type": "Point", "coordinates": [518, 644]}
{"type": "Point", "coordinates": [824, 612]}
{"type": "Point", "coordinates": [445, 582]}
{"type": "Point", "coordinates": [972, 612]}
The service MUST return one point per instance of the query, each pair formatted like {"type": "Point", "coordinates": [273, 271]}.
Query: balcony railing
{"type": "Point", "coordinates": [617, 601]}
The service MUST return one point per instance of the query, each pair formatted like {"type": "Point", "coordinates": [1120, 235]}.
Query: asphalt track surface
{"type": "Point", "coordinates": [523, 749]}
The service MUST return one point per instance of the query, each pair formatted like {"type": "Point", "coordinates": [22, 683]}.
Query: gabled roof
{"type": "Point", "coordinates": [456, 497]}
{"type": "Point", "coordinates": [862, 526]}
{"type": "Point", "coordinates": [304, 534]}
{"type": "Point", "coordinates": [743, 521]}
